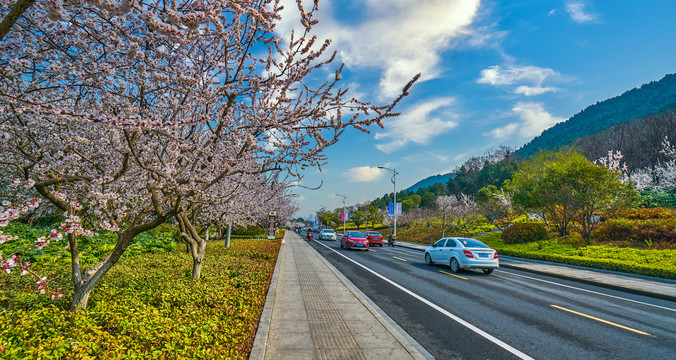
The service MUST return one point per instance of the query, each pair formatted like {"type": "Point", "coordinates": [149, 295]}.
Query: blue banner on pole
{"type": "Point", "coordinates": [391, 209]}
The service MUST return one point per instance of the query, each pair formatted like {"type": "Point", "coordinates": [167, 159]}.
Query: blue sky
{"type": "Point", "coordinates": [493, 73]}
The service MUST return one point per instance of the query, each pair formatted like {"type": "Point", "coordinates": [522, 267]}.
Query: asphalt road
{"type": "Point", "coordinates": [506, 315]}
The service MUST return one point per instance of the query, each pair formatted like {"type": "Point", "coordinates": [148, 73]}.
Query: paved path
{"type": "Point", "coordinates": [314, 312]}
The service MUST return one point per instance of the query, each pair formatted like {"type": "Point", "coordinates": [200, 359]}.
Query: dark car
{"type": "Point", "coordinates": [374, 238]}
{"type": "Point", "coordinates": [354, 240]}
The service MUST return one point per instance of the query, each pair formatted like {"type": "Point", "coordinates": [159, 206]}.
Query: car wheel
{"type": "Point", "coordinates": [455, 267]}
{"type": "Point", "coordinates": [428, 259]}
{"type": "Point", "coordinates": [381, 245]}
{"type": "Point", "coordinates": [488, 271]}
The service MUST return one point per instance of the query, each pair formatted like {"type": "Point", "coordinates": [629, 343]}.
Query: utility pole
{"type": "Point", "coordinates": [344, 215]}
{"type": "Point", "coordinates": [394, 181]}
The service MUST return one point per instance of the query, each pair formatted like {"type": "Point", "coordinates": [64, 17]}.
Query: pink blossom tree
{"type": "Point", "coordinates": [128, 114]}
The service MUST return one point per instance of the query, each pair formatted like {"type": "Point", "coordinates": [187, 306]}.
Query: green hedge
{"type": "Point", "coordinates": [146, 307]}
{"type": "Point", "coordinates": [524, 232]}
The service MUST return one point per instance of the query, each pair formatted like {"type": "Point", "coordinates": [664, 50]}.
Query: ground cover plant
{"type": "Point", "coordinates": [159, 312]}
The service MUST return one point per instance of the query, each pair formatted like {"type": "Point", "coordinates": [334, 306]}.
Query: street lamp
{"type": "Point", "coordinates": [344, 217]}
{"type": "Point", "coordinates": [394, 181]}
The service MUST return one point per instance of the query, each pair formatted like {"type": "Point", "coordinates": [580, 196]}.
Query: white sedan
{"type": "Point", "coordinates": [462, 253]}
{"type": "Point", "coordinates": [327, 234]}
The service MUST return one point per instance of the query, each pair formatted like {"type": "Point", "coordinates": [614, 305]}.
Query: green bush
{"type": "Point", "coordinates": [642, 214]}
{"type": "Point", "coordinates": [524, 232]}
{"type": "Point", "coordinates": [658, 198]}
{"type": "Point", "coordinates": [659, 233]}
{"type": "Point", "coordinates": [250, 230]}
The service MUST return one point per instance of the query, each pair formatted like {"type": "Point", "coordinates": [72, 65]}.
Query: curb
{"type": "Point", "coordinates": [263, 329]}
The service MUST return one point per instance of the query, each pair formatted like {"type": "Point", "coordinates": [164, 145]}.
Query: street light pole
{"type": "Point", "coordinates": [344, 217]}
{"type": "Point", "coordinates": [394, 181]}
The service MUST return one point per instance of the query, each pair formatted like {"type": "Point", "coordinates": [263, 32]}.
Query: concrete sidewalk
{"type": "Point", "coordinates": [637, 284]}
{"type": "Point", "coordinates": [313, 312]}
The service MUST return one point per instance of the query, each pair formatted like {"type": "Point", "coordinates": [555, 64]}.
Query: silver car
{"type": "Point", "coordinates": [462, 253]}
{"type": "Point", "coordinates": [327, 234]}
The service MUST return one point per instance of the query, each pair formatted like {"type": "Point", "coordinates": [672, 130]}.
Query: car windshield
{"type": "Point", "coordinates": [373, 233]}
{"type": "Point", "coordinates": [355, 234]}
{"type": "Point", "coordinates": [472, 243]}
{"type": "Point", "coordinates": [327, 231]}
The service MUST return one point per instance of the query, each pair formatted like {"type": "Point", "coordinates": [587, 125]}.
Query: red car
{"type": "Point", "coordinates": [374, 238]}
{"type": "Point", "coordinates": [354, 240]}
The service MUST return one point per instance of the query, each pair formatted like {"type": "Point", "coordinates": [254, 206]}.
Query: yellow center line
{"type": "Point", "coordinates": [398, 258]}
{"type": "Point", "coordinates": [458, 276]}
{"type": "Point", "coordinates": [601, 320]}
{"type": "Point", "coordinates": [372, 250]}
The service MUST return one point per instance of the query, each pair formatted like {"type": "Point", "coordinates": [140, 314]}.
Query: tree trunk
{"type": "Point", "coordinates": [196, 243]}
{"type": "Point", "coordinates": [85, 282]}
{"type": "Point", "coordinates": [227, 239]}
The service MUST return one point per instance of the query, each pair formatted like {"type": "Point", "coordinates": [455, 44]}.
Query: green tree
{"type": "Point", "coordinates": [358, 218]}
{"type": "Point", "coordinates": [566, 186]}
{"type": "Point", "coordinates": [374, 216]}
{"type": "Point", "coordinates": [407, 205]}
{"type": "Point", "coordinates": [416, 200]}
{"type": "Point", "coordinates": [495, 206]}
{"type": "Point", "coordinates": [429, 200]}
{"type": "Point", "coordinates": [330, 219]}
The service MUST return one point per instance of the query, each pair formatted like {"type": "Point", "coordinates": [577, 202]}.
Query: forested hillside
{"type": "Point", "coordinates": [431, 180]}
{"type": "Point", "coordinates": [641, 141]}
{"type": "Point", "coordinates": [653, 98]}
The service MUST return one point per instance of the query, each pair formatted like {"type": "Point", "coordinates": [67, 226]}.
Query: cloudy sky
{"type": "Point", "coordinates": [493, 73]}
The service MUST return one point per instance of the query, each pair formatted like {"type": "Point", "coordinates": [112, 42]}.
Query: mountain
{"type": "Point", "coordinates": [655, 97]}
{"type": "Point", "coordinates": [429, 181]}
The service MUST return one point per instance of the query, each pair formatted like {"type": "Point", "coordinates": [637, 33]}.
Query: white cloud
{"type": "Point", "coordinates": [402, 38]}
{"type": "Point", "coordinates": [534, 90]}
{"type": "Point", "coordinates": [363, 174]}
{"type": "Point", "coordinates": [577, 12]}
{"type": "Point", "coordinates": [534, 118]}
{"type": "Point", "coordinates": [462, 156]}
{"type": "Point", "coordinates": [418, 124]}
{"type": "Point", "coordinates": [534, 76]}
{"type": "Point", "coordinates": [503, 132]}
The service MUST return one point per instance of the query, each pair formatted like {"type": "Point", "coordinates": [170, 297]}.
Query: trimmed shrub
{"type": "Point", "coordinates": [251, 230]}
{"type": "Point", "coordinates": [524, 232]}
{"type": "Point", "coordinates": [642, 214]}
{"type": "Point", "coordinates": [657, 233]}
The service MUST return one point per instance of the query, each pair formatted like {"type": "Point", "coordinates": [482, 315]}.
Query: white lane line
{"type": "Point", "coordinates": [462, 322]}
{"type": "Point", "coordinates": [589, 291]}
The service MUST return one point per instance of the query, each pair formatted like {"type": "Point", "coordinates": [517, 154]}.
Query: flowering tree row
{"type": "Point", "coordinates": [133, 113]}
